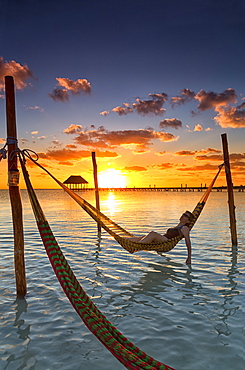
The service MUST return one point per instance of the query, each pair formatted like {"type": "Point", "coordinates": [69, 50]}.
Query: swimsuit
{"type": "Point", "coordinates": [173, 232]}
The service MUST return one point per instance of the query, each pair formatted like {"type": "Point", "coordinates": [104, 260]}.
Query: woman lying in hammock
{"type": "Point", "coordinates": [181, 229]}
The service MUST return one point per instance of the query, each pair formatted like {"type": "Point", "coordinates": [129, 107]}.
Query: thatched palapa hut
{"type": "Point", "coordinates": [76, 182]}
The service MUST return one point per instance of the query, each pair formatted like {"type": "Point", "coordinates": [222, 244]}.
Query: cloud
{"type": "Point", "coordinates": [161, 153]}
{"type": "Point", "coordinates": [164, 166]}
{"type": "Point", "coordinates": [152, 106]}
{"type": "Point", "coordinates": [209, 100]}
{"type": "Point", "coordinates": [75, 87]}
{"type": "Point", "coordinates": [205, 167]}
{"type": "Point", "coordinates": [101, 138]}
{"type": "Point", "coordinates": [71, 146]}
{"type": "Point", "coordinates": [186, 96]}
{"type": "Point", "coordinates": [68, 156]}
{"type": "Point", "coordinates": [233, 117]}
{"type": "Point", "coordinates": [34, 132]}
{"type": "Point", "coordinates": [198, 127]}
{"type": "Point", "coordinates": [194, 152]}
{"type": "Point", "coordinates": [105, 113]}
{"type": "Point", "coordinates": [185, 152]}
{"type": "Point", "coordinates": [59, 95]}
{"type": "Point", "coordinates": [214, 157]}
{"type": "Point", "coordinates": [20, 73]}
{"type": "Point", "coordinates": [165, 136]}
{"type": "Point", "coordinates": [171, 122]}
{"type": "Point", "coordinates": [218, 157]}
{"type": "Point", "coordinates": [36, 107]}
{"type": "Point", "coordinates": [122, 111]}
{"type": "Point", "coordinates": [135, 168]}
{"type": "Point", "coordinates": [149, 107]}
{"type": "Point", "coordinates": [73, 129]}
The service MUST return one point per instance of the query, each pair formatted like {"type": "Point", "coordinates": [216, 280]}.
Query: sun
{"type": "Point", "coordinates": [111, 178]}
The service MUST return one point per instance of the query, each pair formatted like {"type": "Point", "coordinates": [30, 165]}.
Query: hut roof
{"type": "Point", "coordinates": [75, 180]}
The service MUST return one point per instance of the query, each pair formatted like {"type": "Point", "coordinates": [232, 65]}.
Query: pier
{"type": "Point", "coordinates": [170, 189]}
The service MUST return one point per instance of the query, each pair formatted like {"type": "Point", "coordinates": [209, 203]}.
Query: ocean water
{"type": "Point", "coordinates": [190, 318]}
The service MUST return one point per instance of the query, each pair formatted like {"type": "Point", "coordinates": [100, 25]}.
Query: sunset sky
{"type": "Point", "coordinates": [150, 86]}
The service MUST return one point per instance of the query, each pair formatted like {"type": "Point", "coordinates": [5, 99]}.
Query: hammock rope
{"type": "Point", "coordinates": [125, 351]}
{"type": "Point", "coordinates": [121, 235]}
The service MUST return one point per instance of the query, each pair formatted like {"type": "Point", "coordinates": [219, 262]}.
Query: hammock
{"type": "Point", "coordinates": [120, 234]}
{"type": "Point", "coordinates": [124, 350]}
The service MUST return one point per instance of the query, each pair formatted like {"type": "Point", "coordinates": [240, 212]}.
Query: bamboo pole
{"type": "Point", "coordinates": [14, 192]}
{"type": "Point", "coordinates": [97, 197]}
{"type": "Point", "coordinates": [230, 191]}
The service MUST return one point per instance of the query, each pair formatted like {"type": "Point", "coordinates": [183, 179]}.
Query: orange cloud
{"type": "Point", "coordinates": [209, 100]}
{"type": "Point", "coordinates": [73, 129]}
{"type": "Point", "coordinates": [20, 73]}
{"type": "Point", "coordinates": [76, 87]}
{"type": "Point", "coordinates": [102, 138]}
{"type": "Point", "coordinates": [135, 168]}
{"type": "Point", "coordinates": [165, 136]}
{"type": "Point", "coordinates": [161, 153]}
{"type": "Point", "coordinates": [164, 166]}
{"type": "Point", "coordinates": [233, 117]}
{"type": "Point", "coordinates": [122, 111]}
{"type": "Point", "coordinates": [68, 156]}
{"type": "Point", "coordinates": [216, 157]}
{"type": "Point", "coordinates": [185, 152]}
{"type": "Point", "coordinates": [104, 113]}
{"type": "Point", "coordinates": [209, 167]}
{"type": "Point", "coordinates": [193, 152]}
{"type": "Point", "coordinates": [198, 127]}
{"type": "Point", "coordinates": [71, 146]}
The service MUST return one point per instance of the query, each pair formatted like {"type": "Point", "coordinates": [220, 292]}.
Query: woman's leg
{"type": "Point", "coordinates": [153, 237]}
{"type": "Point", "coordinates": [134, 238]}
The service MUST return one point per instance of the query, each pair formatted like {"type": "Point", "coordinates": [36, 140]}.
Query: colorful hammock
{"type": "Point", "coordinates": [124, 350]}
{"type": "Point", "coordinates": [121, 235]}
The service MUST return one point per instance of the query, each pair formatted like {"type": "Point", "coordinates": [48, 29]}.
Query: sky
{"type": "Point", "coordinates": [150, 86]}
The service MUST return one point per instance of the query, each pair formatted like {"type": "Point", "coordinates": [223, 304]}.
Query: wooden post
{"type": "Point", "coordinates": [14, 192]}
{"type": "Point", "coordinates": [230, 190]}
{"type": "Point", "coordinates": [97, 198]}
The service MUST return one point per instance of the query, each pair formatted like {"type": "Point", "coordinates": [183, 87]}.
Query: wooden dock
{"type": "Point", "coordinates": [170, 189]}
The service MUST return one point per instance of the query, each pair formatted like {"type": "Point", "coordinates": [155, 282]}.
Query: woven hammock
{"type": "Point", "coordinates": [121, 235]}
{"type": "Point", "coordinates": [125, 351]}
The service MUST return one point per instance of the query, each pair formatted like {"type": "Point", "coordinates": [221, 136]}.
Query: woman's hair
{"type": "Point", "coordinates": [191, 217]}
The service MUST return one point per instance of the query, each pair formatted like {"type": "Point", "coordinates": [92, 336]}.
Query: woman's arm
{"type": "Point", "coordinates": [186, 232]}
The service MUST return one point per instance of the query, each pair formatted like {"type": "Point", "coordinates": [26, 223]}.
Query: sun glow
{"type": "Point", "coordinates": [111, 178]}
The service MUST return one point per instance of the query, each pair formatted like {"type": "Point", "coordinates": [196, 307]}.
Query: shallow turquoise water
{"type": "Point", "coordinates": [189, 318]}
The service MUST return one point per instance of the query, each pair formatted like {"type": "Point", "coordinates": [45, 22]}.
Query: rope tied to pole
{"type": "Point", "coordinates": [24, 152]}
{"type": "Point", "coordinates": [9, 141]}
